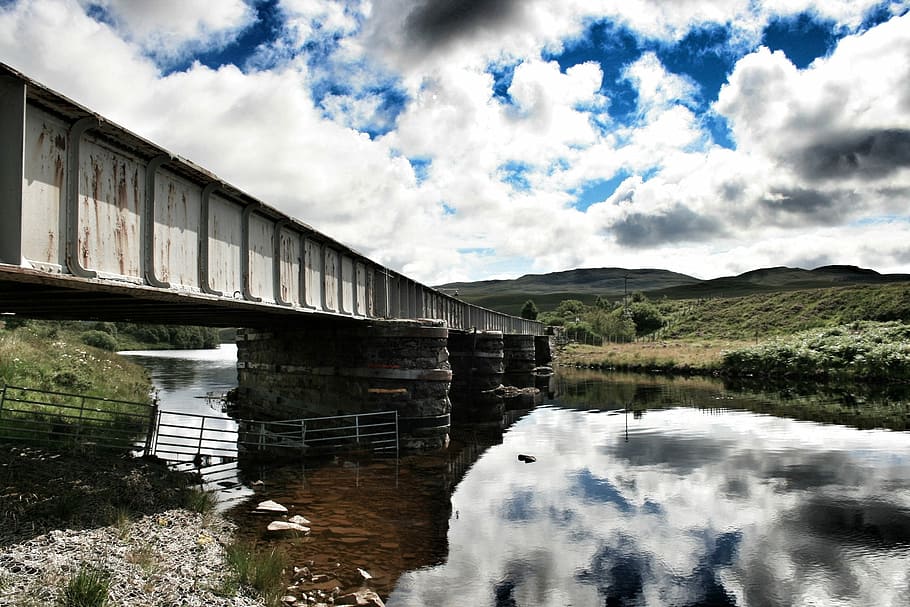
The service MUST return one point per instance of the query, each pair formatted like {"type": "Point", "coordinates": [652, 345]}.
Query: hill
{"type": "Point", "coordinates": [586, 284]}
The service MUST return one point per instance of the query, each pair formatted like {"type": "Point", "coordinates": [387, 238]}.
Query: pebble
{"type": "Point", "coordinates": [287, 526]}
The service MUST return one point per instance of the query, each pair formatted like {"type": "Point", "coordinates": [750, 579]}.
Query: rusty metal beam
{"type": "Point", "coordinates": [204, 283]}
{"type": "Point", "coordinates": [73, 158]}
{"type": "Point", "coordinates": [147, 223]}
{"type": "Point", "coordinates": [245, 252]}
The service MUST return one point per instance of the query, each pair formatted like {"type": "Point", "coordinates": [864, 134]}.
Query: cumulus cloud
{"type": "Point", "coordinates": [350, 97]}
{"type": "Point", "coordinates": [169, 28]}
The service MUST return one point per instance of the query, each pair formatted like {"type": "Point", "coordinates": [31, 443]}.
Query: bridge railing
{"type": "Point", "coordinates": [86, 198]}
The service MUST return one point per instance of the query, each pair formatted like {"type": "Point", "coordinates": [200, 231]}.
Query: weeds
{"type": "Point", "coordinates": [88, 588]}
{"type": "Point", "coordinates": [260, 569]}
{"type": "Point", "coordinates": [200, 501]}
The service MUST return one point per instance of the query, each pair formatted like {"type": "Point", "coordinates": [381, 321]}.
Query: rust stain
{"type": "Point", "coordinates": [58, 172]}
{"type": "Point", "coordinates": [83, 247]}
{"type": "Point", "coordinates": [59, 141]}
{"type": "Point", "coordinates": [51, 249]}
{"type": "Point", "coordinates": [122, 190]}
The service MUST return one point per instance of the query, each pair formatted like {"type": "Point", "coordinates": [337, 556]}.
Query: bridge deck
{"type": "Point", "coordinates": [99, 223]}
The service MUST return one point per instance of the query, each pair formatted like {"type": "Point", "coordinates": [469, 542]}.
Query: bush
{"type": "Point", "coordinates": [861, 350]}
{"type": "Point", "coordinates": [100, 340]}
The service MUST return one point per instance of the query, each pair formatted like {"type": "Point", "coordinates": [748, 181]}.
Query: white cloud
{"type": "Point", "coordinates": [168, 28]}
{"type": "Point", "coordinates": [261, 130]}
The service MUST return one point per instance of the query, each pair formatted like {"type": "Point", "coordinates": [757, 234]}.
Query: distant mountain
{"type": "Point", "coordinates": [547, 290]}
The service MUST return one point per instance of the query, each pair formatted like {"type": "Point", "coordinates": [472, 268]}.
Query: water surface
{"type": "Point", "coordinates": [646, 491]}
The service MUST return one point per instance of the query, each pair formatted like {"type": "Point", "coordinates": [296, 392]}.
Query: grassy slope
{"type": "Point", "coordinates": [33, 357]}
{"type": "Point", "coordinates": [547, 290]}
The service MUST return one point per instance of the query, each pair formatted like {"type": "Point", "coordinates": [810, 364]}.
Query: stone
{"type": "Point", "coordinates": [361, 598]}
{"type": "Point", "coordinates": [289, 599]}
{"type": "Point", "coordinates": [287, 526]}
{"type": "Point", "coordinates": [298, 520]}
{"type": "Point", "coordinates": [528, 459]}
{"type": "Point", "coordinates": [270, 506]}
{"type": "Point", "coordinates": [364, 574]}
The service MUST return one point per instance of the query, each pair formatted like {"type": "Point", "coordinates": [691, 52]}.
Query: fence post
{"type": "Point", "coordinates": [2, 398]}
{"type": "Point", "coordinates": [302, 436]}
{"type": "Point", "coordinates": [357, 428]}
{"type": "Point", "coordinates": [201, 432]}
{"type": "Point", "coordinates": [396, 442]}
{"type": "Point", "coordinates": [152, 427]}
{"type": "Point", "coordinates": [79, 421]}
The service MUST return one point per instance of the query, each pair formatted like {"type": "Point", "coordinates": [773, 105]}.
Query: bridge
{"type": "Point", "coordinates": [101, 224]}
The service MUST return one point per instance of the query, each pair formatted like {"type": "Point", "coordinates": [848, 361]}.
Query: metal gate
{"type": "Point", "coordinates": [184, 436]}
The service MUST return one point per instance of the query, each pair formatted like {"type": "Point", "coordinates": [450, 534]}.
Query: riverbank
{"type": "Point", "coordinates": [683, 357]}
{"type": "Point", "coordinates": [130, 520]}
{"type": "Point", "coordinates": [862, 351]}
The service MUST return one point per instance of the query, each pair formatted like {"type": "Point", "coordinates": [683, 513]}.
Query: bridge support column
{"type": "Point", "coordinates": [519, 359]}
{"type": "Point", "coordinates": [335, 368]}
{"type": "Point", "coordinates": [477, 370]}
{"type": "Point", "coordinates": [543, 350]}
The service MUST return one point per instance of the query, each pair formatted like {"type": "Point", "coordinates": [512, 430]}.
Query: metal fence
{"type": "Point", "coordinates": [62, 419]}
{"type": "Point", "coordinates": [65, 419]}
{"type": "Point", "coordinates": [182, 436]}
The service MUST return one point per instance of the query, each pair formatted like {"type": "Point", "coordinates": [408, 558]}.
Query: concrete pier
{"type": "Point", "coordinates": [339, 368]}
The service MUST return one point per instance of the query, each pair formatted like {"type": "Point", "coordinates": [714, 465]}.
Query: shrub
{"type": "Point", "coordinates": [99, 339]}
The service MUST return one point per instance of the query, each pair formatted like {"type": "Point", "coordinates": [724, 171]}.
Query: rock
{"type": "Point", "coordinates": [298, 520]}
{"type": "Point", "coordinates": [364, 574]}
{"type": "Point", "coordinates": [269, 506]}
{"type": "Point", "coordinates": [528, 459]}
{"type": "Point", "coordinates": [289, 600]}
{"type": "Point", "coordinates": [361, 598]}
{"type": "Point", "coordinates": [287, 526]}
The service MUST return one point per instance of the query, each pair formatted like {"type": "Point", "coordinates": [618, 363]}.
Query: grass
{"type": "Point", "coordinates": [88, 588]}
{"type": "Point", "coordinates": [679, 356]}
{"type": "Point", "coordinates": [200, 501]}
{"type": "Point", "coordinates": [260, 569]}
{"type": "Point", "coordinates": [47, 358]}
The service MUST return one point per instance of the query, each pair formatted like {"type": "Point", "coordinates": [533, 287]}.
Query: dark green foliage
{"type": "Point", "coordinates": [529, 310]}
{"type": "Point", "coordinates": [646, 316]}
{"type": "Point", "coordinates": [860, 350]}
{"type": "Point", "coordinates": [99, 339]}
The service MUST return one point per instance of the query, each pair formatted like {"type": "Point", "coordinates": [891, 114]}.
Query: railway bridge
{"type": "Point", "coordinates": [97, 223]}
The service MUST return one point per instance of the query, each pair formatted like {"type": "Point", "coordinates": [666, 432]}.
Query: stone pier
{"type": "Point", "coordinates": [477, 370]}
{"type": "Point", "coordinates": [337, 368]}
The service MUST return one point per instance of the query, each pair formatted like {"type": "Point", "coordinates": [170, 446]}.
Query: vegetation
{"type": "Point", "coordinates": [49, 356]}
{"type": "Point", "coordinates": [200, 501]}
{"type": "Point", "coordinates": [856, 332]}
{"type": "Point", "coordinates": [529, 310]}
{"type": "Point", "coordinates": [861, 350]}
{"type": "Point", "coordinates": [260, 569]}
{"type": "Point", "coordinates": [88, 588]}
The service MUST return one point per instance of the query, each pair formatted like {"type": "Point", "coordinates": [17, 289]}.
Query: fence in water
{"type": "Point", "coordinates": [61, 419]}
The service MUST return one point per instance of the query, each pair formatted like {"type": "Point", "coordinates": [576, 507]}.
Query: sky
{"type": "Point", "coordinates": [476, 139]}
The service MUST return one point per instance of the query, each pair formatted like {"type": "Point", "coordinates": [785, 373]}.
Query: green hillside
{"type": "Point", "coordinates": [547, 290]}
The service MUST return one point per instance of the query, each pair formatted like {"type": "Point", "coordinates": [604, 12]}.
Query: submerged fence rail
{"type": "Point", "coordinates": [66, 419]}
{"type": "Point", "coordinates": [178, 435]}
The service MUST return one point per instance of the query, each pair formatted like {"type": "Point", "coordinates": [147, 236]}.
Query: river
{"type": "Point", "coordinates": [645, 491]}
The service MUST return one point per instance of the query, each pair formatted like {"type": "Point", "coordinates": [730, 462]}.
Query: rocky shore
{"type": "Point", "coordinates": [130, 519]}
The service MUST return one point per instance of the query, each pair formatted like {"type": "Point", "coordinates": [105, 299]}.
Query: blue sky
{"type": "Point", "coordinates": [471, 139]}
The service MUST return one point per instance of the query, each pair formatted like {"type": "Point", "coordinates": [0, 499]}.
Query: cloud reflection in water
{"type": "Point", "coordinates": [696, 508]}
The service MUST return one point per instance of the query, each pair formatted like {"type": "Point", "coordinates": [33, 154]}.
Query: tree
{"type": "Point", "coordinates": [529, 310]}
{"type": "Point", "coordinates": [646, 316]}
